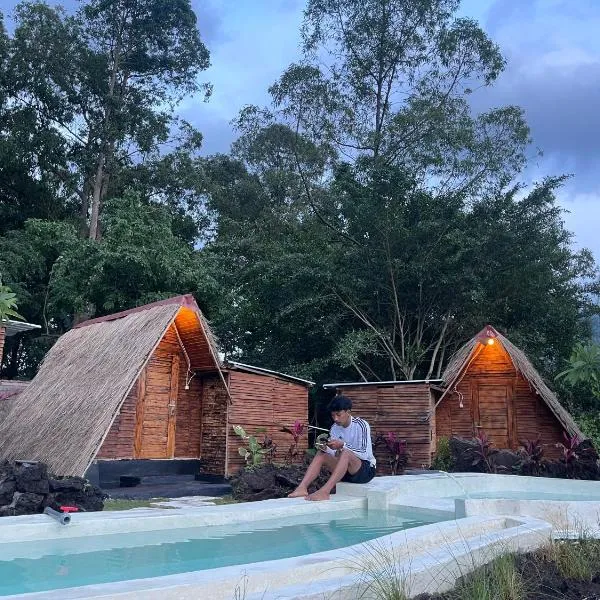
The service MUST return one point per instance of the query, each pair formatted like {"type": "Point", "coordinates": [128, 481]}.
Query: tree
{"type": "Point", "coordinates": [8, 304]}
{"type": "Point", "coordinates": [392, 199]}
{"type": "Point", "coordinates": [389, 81]}
{"type": "Point", "coordinates": [107, 79]}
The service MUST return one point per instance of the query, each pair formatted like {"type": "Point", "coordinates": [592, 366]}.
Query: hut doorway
{"type": "Point", "coordinates": [492, 404]}
{"type": "Point", "coordinates": [157, 408]}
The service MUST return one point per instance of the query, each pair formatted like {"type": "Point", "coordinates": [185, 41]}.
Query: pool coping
{"type": "Point", "coordinates": [430, 495]}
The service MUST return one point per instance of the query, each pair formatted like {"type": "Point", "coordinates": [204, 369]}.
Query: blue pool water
{"type": "Point", "coordinates": [56, 564]}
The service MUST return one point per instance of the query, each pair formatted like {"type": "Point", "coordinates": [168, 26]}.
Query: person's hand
{"type": "Point", "coordinates": [335, 444]}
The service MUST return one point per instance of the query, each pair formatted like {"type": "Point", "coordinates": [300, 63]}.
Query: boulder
{"type": "Point", "coordinates": [60, 484]}
{"type": "Point", "coordinates": [26, 503]}
{"type": "Point", "coordinates": [504, 461]}
{"type": "Point", "coordinates": [26, 487]}
{"type": "Point", "coordinates": [8, 486]}
{"type": "Point", "coordinates": [31, 477]}
{"type": "Point", "coordinates": [464, 455]}
{"type": "Point", "coordinates": [270, 481]}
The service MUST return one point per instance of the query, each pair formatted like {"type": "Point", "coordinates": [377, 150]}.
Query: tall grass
{"type": "Point", "coordinates": [577, 559]}
{"type": "Point", "coordinates": [382, 574]}
{"type": "Point", "coordinates": [498, 580]}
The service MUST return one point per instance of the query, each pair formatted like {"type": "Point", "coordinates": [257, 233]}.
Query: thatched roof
{"type": "Point", "coordinates": [461, 359]}
{"type": "Point", "coordinates": [9, 389]}
{"type": "Point", "coordinates": [62, 417]}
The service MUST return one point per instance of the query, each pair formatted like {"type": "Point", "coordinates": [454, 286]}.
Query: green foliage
{"type": "Point", "coordinates": [498, 580]}
{"type": "Point", "coordinates": [590, 426]}
{"type": "Point", "coordinates": [442, 460]}
{"type": "Point", "coordinates": [575, 559]}
{"type": "Point", "coordinates": [254, 453]}
{"type": "Point", "coordinates": [8, 304]}
{"type": "Point", "coordinates": [584, 368]}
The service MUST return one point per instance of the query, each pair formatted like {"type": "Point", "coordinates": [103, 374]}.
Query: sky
{"type": "Point", "coordinates": [553, 73]}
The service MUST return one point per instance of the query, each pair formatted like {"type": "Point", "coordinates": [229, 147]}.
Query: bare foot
{"type": "Point", "coordinates": [318, 496]}
{"type": "Point", "coordinates": [299, 492]}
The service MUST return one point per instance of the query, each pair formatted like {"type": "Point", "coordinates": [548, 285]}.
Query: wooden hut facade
{"type": "Point", "coordinates": [488, 386]}
{"type": "Point", "coordinates": [146, 385]}
{"type": "Point", "coordinates": [401, 407]}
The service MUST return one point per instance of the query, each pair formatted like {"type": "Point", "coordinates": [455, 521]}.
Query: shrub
{"type": "Point", "coordinates": [442, 461]}
{"type": "Point", "coordinates": [590, 425]}
{"type": "Point", "coordinates": [397, 449]}
{"type": "Point", "coordinates": [255, 453]}
{"type": "Point", "coordinates": [296, 431]}
{"type": "Point", "coordinates": [483, 452]}
{"type": "Point", "coordinates": [531, 456]}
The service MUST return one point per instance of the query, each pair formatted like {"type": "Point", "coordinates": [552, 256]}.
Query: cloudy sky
{"type": "Point", "coordinates": [553, 52]}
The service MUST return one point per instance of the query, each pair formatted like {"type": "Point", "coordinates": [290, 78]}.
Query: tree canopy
{"type": "Point", "coordinates": [364, 225]}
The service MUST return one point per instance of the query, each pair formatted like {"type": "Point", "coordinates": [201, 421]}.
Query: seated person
{"type": "Point", "coordinates": [348, 454]}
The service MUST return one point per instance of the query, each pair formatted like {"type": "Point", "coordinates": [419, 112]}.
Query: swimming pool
{"type": "Point", "coordinates": [63, 563]}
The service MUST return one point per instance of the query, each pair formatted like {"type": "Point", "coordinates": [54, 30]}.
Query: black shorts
{"type": "Point", "coordinates": [363, 475]}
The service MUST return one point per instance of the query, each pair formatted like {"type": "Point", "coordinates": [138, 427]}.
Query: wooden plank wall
{"type": "Point", "coordinates": [213, 440]}
{"type": "Point", "coordinates": [264, 401]}
{"type": "Point", "coordinates": [404, 409]}
{"type": "Point", "coordinates": [154, 384]}
{"type": "Point", "coordinates": [529, 413]}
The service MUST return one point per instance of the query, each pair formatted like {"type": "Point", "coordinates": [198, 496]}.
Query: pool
{"type": "Point", "coordinates": [64, 563]}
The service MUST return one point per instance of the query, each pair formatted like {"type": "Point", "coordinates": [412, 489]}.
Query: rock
{"type": "Point", "coordinates": [31, 477]}
{"type": "Point", "coordinates": [270, 481]}
{"type": "Point", "coordinates": [503, 461]}
{"type": "Point", "coordinates": [66, 483]}
{"type": "Point", "coordinates": [27, 487]}
{"type": "Point", "coordinates": [7, 488]}
{"type": "Point", "coordinates": [463, 455]}
{"type": "Point", "coordinates": [89, 499]}
{"type": "Point", "coordinates": [26, 503]}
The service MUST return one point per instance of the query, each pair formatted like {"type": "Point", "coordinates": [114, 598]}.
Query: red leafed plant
{"type": "Point", "coordinates": [532, 457]}
{"type": "Point", "coordinates": [398, 451]}
{"type": "Point", "coordinates": [483, 452]}
{"type": "Point", "coordinates": [569, 454]}
{"type": "Point", "coordinates": [296, 431]}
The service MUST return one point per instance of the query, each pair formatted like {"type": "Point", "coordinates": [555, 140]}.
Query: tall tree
{"type": "Point", "coordinates": [107, 79]}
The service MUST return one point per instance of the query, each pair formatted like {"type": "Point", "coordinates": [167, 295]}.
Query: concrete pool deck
{"type": "Point", "coordinates": [433, 555]}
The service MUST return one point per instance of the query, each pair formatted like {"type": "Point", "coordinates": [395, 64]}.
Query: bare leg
{"type": "Point", "coordinates": [348, 462]}
{"type": "Point", "coordinates": [314, 469]}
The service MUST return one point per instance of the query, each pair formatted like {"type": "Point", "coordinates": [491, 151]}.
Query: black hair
{"type": "Point", "coordinates": [340, 403]}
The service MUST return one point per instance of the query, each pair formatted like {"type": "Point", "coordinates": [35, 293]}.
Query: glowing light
{"type": "Point", "coordinates": [490, 342]}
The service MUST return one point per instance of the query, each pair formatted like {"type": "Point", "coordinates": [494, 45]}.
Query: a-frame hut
{"type": "Point", "coordinates": [490, 385]}
{"type": "Point", "coordinates": [145, 392]}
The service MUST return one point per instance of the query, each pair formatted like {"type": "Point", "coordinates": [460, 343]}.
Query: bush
{"type": "Point", "coordinates": [442, 460]}
{"type": "Point", "coordinates": [590, 425]}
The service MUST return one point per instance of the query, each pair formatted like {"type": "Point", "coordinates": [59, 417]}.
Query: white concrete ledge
{"type": "Point", "coordinates": [423, 543]}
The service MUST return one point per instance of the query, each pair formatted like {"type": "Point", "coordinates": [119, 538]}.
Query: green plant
{"type": "Point", "coordinates": [584, 368]}
{"type": "Point", "coordinates": [254, 454]}
{"type": "Point", "coordinates": [498, 580]}
{"type": "Point", "coordinates": [8, 304]}
{"type": "Point", "coordinates": [575, 559]}
{"type": "Point", "coordinates": [590, 426]}
{"type": "Point", "coordinates": [442, 460]}
{"type": "Point", "coordinates": [381, 572]}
